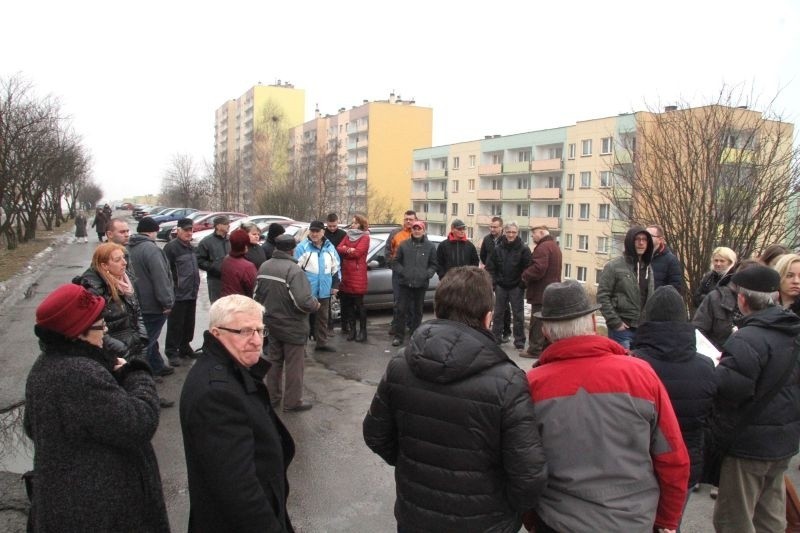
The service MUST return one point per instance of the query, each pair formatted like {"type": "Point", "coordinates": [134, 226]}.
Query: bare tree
{"type": "Point", "coordinates": [89, 195]}
{"type": "Point", "coordinates": [181, 185]}
{"type": "Point", "coordinates": [267, 164]}
{"type": "Point", "coordinates": [718, 175]}
{"type": "Point", "coordinates": [381, 209]}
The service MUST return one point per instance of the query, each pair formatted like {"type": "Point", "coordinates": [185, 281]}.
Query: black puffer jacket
{"type": "Point", "coordinates": [718, 313]}
{"type": "Point", "coordinates": [123, 318]}
{"type": "Point", "coordinates": [507, 262]}
{"type": "Point", "coordinates": [689, 378]}
{"type": "Point", "coordinates": [752, 363]}
{"type": "Point", "coordinates": [454, 416]}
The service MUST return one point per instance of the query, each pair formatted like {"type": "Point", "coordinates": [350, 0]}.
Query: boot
{"type": "Point", "coordinates": [362, 330]}
{"type": "Point", "coordinates": [351, 330]}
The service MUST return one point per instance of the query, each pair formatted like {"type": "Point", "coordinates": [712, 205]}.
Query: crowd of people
{"type": "Point", "coordinates": [603, 433]}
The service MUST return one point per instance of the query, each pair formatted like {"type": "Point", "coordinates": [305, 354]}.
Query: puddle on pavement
{"type": "Point", "coordinates": [16, 449]}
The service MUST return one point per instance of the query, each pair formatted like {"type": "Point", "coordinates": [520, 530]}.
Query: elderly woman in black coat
{"type": "Point", "coordinates": [91, 416]}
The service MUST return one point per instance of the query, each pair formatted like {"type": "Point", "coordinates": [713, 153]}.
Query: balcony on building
{"type": "Point", "coordinates": [437, 174]}
{"type": "Point", "coordinates": [490, 170]}
{"type": "Point", "coordinates": [547, 165]}
{"type": "Point", "coordinates": [434, 217]}
{"type": "Point", "coordinates": [419, 195]}
{"type": "Point", "coordinates": [518, 167]}
{"type": "Point", "coordinates": [550, 222]}
{"type": "Point", "coordinates": [419, 175]}
{"type": "Point", "coordinates": [515, 194]}
{"type": "Point", "coordinates": [545, 193]}
{"type": "Point", "coordinates": [437, 195]}
{"type": "Point", "coordinates": [490, 194]}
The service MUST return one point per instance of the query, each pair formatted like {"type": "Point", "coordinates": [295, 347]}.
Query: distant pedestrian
{"type": "Point", "coordinates": [788, 268]}
{"type": "Point", "coordinates": [238, 275]}
{"type": "Point", "coordinates": [318, 258]}
{"type": "Point", "coordinates": [667, 268]}
{"type": "Point", "coordinates": [457, 250]}
{"type": "Point", "coordinates": [273, 232]}
{"type": "Point", "coordinates": [237, 450]}
{"type": "Point", "coordinates": [255, 253]}
{"type": "Point", "coordinates": [771, 254]}
{"type": "Point", "coordinates": [545, 268]}
{"type": "Point", "coordinates": [453, 416]}
{"type": "Point", "coordinates": [186, 280]}
{"type": "Point", "coordinates": [487, 247]}
{"type": "Point", "coordinates": [333, 232]}
{"type": "Point", "coordinates": [508, 261]}
{"type": "Point", "coordinates": [80, 228]}
{"type": "Point", "coordinates": [210, 253]}
{"type": "Point", "coordinates": [415, 265]}
{"type": "Point", "coordinates": [396, 237]}
{"type": "Point", "coordinates": [283, 289]}
{"type": "Point", "coordinates": [353, 250]}
{"type": "Point", "coordinates": [91, 417]}
{"type": "Point", "coordinates": [153, 283]}
{"type": "Point", "coordinates": [99, 224]}
{"type": "Point", "coordinates": [723, 260]}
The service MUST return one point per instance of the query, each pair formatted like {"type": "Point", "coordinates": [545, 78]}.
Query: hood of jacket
{"type": "Point", "coordinates": [280, 254]}
{"type": "Point", "coordinates": [582, 346]}
{"type": "Point", "coordinates": [773, 317]}
{"type": "Point", "coordinates": [452, 237]}
{"type": "Point", "coordinates": [667, 341]}
{"type": "Point", "coordinates": [444, 351]}
{"type": "Point", "coordinates": [138, 239]}
{"type": "Point", "coordinates": [630, 247]}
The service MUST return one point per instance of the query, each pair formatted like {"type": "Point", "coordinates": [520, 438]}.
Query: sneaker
{"type": "Point", "coordinates": [528, 355]}
{"type": "Point", "coordinates": [505, 338]}
{"type": "Point", "coordinates": [164, 403]}
{"type": "Point", "coordinates": [324, 348]}
{"type": "Point", "coordinates": [302, 406]}
{"type": "Point", "coordinates": [166, 371]}
{"type": "Point", "coordinates": [714, 493]}
{"type": "Point", "coordinates": [190, 355]}
{"type": "Point", "coordinates": [174, 360]}
{"type": "Point", "coordinates": [397, 341]}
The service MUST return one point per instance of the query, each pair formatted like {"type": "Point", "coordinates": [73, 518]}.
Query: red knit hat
{"type": "Point", "coordinates": [239, 240]}
{"type": "Point", "coordinates": [69, 310]}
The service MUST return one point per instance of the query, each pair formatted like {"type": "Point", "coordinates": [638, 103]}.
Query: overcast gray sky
{"type": "Point", "coordinates": [141, 80]}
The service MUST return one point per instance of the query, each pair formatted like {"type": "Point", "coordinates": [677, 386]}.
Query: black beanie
{"type": "Point", "coordinates": [666, 305]}
{"type": "Point", "coordinates": [274, 230]}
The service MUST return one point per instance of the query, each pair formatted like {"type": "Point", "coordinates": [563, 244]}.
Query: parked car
{"type": "Point", "coordinates": [174, 214]}
{"type": "Point", "coordinates": [167, 231]}
{"type": "Point", "coordinates": [207, 221]}
{"type": "Point", "coordinates": [157, 210]}
{"type": "Point", "coordinates": [262, 221]}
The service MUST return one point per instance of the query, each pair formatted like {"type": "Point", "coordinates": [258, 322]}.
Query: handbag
{"type": "Point", "coordinates": [716, 448]}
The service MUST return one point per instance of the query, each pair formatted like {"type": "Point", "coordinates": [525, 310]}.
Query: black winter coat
{"type": "Point", "coordinates": [752, 363]}
{"type": "Point", "coordinates": [688, 376]}
{"type": "Point", "coordinates": [454, 253]}
{"type": "Point", "coordinates": [453, 415]}
{"type": "Point", "coordinates": [667, 269]}
{"type": "Point", "coordinates": [507, 262]}
{"type": "Point", "coordinates": [237, 450]}
{"type": "Point", "coordinates": [717, 314]}
{"type": "Point", "coordinates": [91, 429]}
{"type": "Point", "coordinates": [707, 284]}
{"type": "Point", "coordinates": [123, 318]}
{"type": "Point", "coordinates": [415, 262]}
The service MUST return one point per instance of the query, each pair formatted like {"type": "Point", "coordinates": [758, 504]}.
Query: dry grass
{"type": "Point", "coordinates": [14, 261]}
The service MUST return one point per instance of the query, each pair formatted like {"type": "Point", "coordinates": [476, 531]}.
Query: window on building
{"type": "Point", "coordinates": [497, 185]}
{"type": "Point", "coordinates": [568, 241]}
{"type": "Point", "coordinates": [583, 243]}
{"type": "Point", "coordinates": [554, 210]}
{"type": "Point", "coordinates": [443, 164]}
{"type": "Point", "coordinates": [471, 185]}
{"type": "Point", "coordinates": [570, 182]}
{"type": "Point", "coordinates": [586, 147]}
{"type": "Point", "coordinates": [472, 161]}
{"type": "Point", "coordinates": [523, 183]}
{"type": "Point", "coordinates": [603, 245]}
{"type": "Point", "coordinates": [555, 153]}
{"type": "Point", "coordinates": [426, 186]}
{"type": "Point", "coordinates": [524, 235]}
{"type": "Point", "coordinates": [603, 211]}
{"type": "Point", "coordinates": [470, 209]}
{"type": "Point", "coordinates": [425, 208]}
{"type": "Point", "coordinates": [605, 145]}
{"type": "Point", "coordinates": [582, 274]}
{"type": "Point", "coordinates": [443, 186]}
{"type": "Point", "coordinates": [524, 156]}
{"type": "Point", "coordinates": [426, 165]}
{"type": "Point", "coordinates": [523, 210]}
{"type": "Point", "coordinates": [584, 211]}
{"type": "Point", "coordinates": [496, 210]}
{"type": "Point", "coordinates": [456, 162]}
{"type": "Point", "coordinates": [586, 180]}
{"type": "Point", "coordinates": [470, 232]}
{"type": "Point", "coordinates": [571, 151]}
{"type": "Point", "coordinates": [443, 208]}
{"type": "Point", "coordinates": [570, 210]}
{"type": "Point", "coordinates": [497, 159]}
{"type": "Point", "coordinates": [454, 209]}
{"type": "Point", "coordinates": [567, 271]}
{"type": "Point", "coordinates": [455, 185]}
{"type": "Point", "coordinates": [605, 179]}
{"type": "Point", "coordinates": [554, 182]}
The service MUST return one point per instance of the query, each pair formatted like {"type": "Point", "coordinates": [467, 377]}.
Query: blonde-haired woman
{"type": "Point", "coordinates": [788, 266]}
{"type": "Point", "coordinates": [722, 261]}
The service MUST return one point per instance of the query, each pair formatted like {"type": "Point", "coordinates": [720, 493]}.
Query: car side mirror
{"type": "Point", "coordinates": [373, 264]}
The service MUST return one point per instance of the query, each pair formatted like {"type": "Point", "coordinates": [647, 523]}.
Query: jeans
{"type": "Point", "coordinates": [623, 337]}
{"type": "Point", "coordinates": [153, 324]}
{"type": "Point", "coordinates": [503, 298]}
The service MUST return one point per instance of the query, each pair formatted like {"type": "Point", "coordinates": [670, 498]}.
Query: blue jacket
{"type": "Point", "coordinates": [321, 266]}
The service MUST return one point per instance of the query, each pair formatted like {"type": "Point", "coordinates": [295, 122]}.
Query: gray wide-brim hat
{"type": "Point", "coordinates": [565, 301]}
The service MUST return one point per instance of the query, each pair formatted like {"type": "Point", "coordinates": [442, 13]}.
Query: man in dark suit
{"type": "Point", "coordinates": [237, 449]}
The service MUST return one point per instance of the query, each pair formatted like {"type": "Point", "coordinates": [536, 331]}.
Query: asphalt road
{"type": "Point", "coordinates": [337, 483]}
